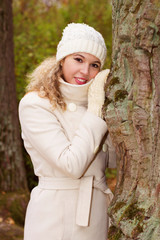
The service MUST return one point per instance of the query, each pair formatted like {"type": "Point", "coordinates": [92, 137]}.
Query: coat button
{"type": "Point", "coordinates": [96, 149]}
{"type": "Point", "coordinates": [72, 107]}
{"type": "Point", "coordinates": [104, 147]}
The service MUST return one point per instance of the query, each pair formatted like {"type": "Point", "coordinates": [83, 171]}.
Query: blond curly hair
{"type": "Point", "coordinates": [45, 80]}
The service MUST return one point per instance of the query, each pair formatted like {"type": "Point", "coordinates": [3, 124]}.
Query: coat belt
{"type": "Point", "coordinates": [85, 186]}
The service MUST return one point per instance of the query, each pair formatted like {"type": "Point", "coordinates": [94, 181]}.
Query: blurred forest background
{"type": "Point", "coordinates": [38, 26]}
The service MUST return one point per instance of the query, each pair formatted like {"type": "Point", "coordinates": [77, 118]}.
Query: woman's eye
{"type": "Point", "coordinates": [95, 65]}
{"type": "Point", "coordinates": [78, 59]}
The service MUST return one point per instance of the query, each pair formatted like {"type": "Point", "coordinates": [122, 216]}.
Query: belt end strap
{"type": "Point", "coordinates": [84, 201]}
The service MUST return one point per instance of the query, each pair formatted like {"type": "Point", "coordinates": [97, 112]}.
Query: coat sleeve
{"type": "Point", "coordinates": [111, 157]}
{"type": "Point", "coordinates": [45, 134]}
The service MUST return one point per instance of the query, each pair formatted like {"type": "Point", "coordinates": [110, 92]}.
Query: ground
{"type": "Point", "coordinates": [10, 231]}
{"type": "Point", "coordinates": [12, 212]}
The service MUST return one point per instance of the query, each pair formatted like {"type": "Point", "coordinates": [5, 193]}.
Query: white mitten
{"type": "Point", "coordinates": [96, 94]}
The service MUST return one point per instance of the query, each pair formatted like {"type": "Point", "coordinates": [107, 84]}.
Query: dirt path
{"type": "Point", "coordinates": [10, 232]}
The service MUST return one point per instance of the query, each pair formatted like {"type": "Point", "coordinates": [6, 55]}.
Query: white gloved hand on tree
{"type": "Point", "coordinates": [96, 94]}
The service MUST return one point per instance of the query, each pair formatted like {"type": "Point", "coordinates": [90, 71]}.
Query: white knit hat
{"type": "Point", "coordinates": [79, 37]}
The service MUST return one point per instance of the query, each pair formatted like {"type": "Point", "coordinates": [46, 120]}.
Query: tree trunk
{"type": "Point", "coordinates": [12, 173]}
{"type": "Point", "coordinates": [132, 111]}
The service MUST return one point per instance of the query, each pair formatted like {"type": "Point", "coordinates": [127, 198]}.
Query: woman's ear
{"type": "Point", "coordinates": [61, 62]}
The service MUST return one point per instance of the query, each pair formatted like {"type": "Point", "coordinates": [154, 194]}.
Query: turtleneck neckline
{"type": "Point", "coordinates": [74, 93]}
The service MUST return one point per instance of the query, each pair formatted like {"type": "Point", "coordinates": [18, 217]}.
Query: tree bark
{"type": "Point", "coordinates": [12, 171]}
{"type": "Point", "coordinates": [132, 112]}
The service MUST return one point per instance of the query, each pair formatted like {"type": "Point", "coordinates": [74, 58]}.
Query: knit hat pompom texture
{"type": "Point", "coordinates": [79, 37]}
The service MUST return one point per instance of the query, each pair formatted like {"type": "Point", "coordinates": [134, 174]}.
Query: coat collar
{"type": "Point", "coordinates": [74, 93]}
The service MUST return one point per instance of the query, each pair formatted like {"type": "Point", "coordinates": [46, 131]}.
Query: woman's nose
{"type": "Point", "coordinates": [85, 69]}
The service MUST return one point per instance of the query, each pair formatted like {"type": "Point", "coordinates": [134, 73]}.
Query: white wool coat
{"type": "Point", "coordinates": [69, 153]}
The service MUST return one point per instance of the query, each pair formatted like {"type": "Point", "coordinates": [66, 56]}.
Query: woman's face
{"type": "Point", "coordinates": [80, 68]}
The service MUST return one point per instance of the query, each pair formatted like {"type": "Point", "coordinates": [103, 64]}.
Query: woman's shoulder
{"type": "Point", "coordinates": [32, 98]}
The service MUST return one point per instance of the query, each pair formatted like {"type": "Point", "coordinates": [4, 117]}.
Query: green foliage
{"type": "Point", "coordinates": [38, 29]}
{"type": "Point", "coordinates": [111, 172]}
{"type": "Point", "coordinates": [13, 205]}
{"type": "Point", "coordinates": [17, 212]}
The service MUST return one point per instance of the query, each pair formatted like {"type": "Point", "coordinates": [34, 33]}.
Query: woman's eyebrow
{"type": "Point", "coordinates": [97, 62]}
{"type": "Point", "coordinates": [79, 55]}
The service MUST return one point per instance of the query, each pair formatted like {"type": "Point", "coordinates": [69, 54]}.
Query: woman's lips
{"type": "Point", "coordinates": [80, 81]}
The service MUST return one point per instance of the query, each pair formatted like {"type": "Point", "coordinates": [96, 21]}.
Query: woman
{"type": "Point", "coordinates": [66, 138]}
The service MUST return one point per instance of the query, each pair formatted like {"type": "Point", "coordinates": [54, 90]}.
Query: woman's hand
{"type": "Point", "coordinates": [96, 94]}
